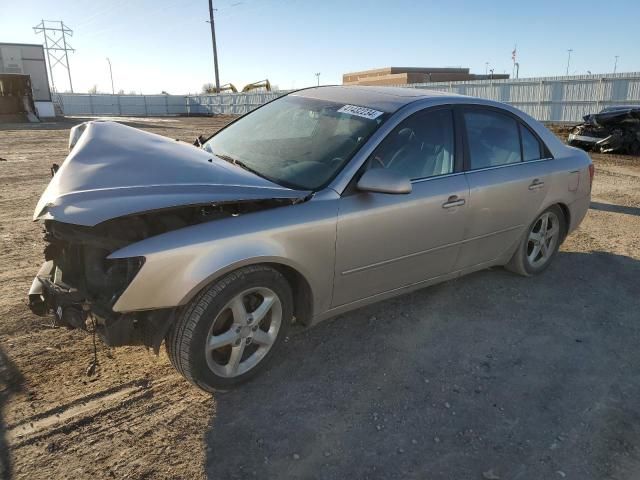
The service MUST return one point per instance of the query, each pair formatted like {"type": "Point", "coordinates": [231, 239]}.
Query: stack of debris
{"type": "Point", "coordinates": [613, 130]}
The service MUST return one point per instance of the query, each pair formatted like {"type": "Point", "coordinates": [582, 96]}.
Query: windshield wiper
{"type": "Point", "coordinates": [226, 157]}
{"type": "Point", "coordinates": [240, 164]}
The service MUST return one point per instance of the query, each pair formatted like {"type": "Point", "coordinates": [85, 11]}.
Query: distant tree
{"type": "Point", "coordinates": [121, 92]}
{"type": "Point", "coordinates": [208, 88]}
{"type": "Point", "coordinates": [132, 92]}
{"type": "Point", "coordinates": [93, 89]}
{"type": "Point", "coordinates": [165, 92]}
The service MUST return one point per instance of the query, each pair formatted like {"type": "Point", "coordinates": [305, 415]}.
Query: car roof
{"type": "Point", "coordinates": [614, 108]}
{"type": "Point", "coordinates": [385, 99]}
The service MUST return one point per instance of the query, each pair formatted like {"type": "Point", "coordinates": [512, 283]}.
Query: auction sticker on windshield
{"type": "Point", "coordinates": [360, 111]}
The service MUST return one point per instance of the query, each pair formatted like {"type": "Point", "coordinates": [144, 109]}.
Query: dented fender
{"type": "Point", "coordinates": [180, 263]}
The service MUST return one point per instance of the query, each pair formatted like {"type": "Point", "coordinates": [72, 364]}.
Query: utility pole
{"type": "Point", "coordinates": [113, 91]}
{"type": "Point", "coordinates": [569, 60]}
{"type": "Point", "coordinates": [318, 78]}
{"type": "Point", "coordinates": [55, 41]}
{"type": "Point", "coordinates": [215, 49]}
{"type": "Point", "coordinates": [615, 65]}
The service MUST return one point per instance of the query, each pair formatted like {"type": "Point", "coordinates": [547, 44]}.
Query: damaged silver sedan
{"type": "Point", "coordinates": [317, 203]}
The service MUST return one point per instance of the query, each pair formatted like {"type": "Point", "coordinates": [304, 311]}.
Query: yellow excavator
{"type": "Point", "coordinates": [228, 87]}
{"type": "Point", "coordinates": [257, 86]}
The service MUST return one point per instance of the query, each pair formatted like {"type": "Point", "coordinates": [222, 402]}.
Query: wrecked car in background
{"type": "Point", "coordinates": [613, 130]}
{"type": "Point", "coordinates": [319, 202]}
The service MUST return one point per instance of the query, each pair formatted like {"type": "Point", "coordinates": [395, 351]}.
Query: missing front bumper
{"type": "Point", "coordinates": [72, 309]}
{"type": "Point", "coordinates": [67, 304]}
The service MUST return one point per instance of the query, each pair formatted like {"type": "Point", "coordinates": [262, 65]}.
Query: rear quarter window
{"type": "Point", "coordinates": [531, 148]}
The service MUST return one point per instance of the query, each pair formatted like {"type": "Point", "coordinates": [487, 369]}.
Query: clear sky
{"type": "Point", "coordinates": [166, 44]}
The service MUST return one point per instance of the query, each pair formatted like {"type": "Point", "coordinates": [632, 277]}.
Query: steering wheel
{"type": "Point", "coordinates": [397, 155]}
{"type": "Point", "coordinates": [405, 136]}
{"type": "Point", "coordinates": [379, 160]}
{"type": "Point", "coordinates": [336, 161]}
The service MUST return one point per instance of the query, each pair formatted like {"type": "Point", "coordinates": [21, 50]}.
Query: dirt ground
{"type": "Point", "coordinates": [490, 376]}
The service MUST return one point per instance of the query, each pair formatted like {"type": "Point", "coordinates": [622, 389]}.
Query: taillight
{"type": "Point", "coordinates": [592, 171]}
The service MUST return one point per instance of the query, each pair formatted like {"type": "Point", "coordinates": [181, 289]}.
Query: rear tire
{"type": "Point", "coordinates": [540, 243]}
{"type": "Point", "coordinates": [228, 333]}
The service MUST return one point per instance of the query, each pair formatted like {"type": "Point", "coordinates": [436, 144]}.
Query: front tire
{"type": "Point", "coordinates": [540, 243]}
{"type": "Point", "coordinates": [228, 333]}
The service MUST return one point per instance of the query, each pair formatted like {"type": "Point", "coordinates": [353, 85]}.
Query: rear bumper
{"type": "Point", "coordinates": [607, 144]}
{"type": "Point", "coordinates": [582, 139]}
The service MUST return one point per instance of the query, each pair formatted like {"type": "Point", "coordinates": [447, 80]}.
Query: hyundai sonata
{"type": "Point", "coordinates": [314, 204]}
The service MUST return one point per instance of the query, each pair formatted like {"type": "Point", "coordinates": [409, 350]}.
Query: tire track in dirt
{"type": "Point", "coordinates": [79, 412]}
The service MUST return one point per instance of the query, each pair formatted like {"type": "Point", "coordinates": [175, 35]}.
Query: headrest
{"type": "Point", "coordinates": [499, 137]}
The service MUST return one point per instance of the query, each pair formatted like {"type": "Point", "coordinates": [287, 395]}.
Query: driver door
{"type": "Point", "coordinates": [390, 241]}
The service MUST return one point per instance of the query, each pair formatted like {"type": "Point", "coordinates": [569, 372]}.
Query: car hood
{"type": "Point", "coordinates": [115, 170]}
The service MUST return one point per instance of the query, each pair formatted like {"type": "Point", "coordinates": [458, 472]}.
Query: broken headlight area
{"type": "Point", "coordinates": [79, 285]}
{"type": "Point", "coordinates": [75, 291]}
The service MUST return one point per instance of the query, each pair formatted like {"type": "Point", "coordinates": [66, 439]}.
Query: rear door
{"type": "Point", "coordinates": [387, 241]}
{"type": "Point", "coordinates": [508, 180]}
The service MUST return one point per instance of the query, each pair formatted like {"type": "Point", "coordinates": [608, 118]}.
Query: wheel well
{"type": "Point", "coordinates": [302, 297]}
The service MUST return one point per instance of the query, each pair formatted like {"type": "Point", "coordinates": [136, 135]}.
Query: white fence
{"type": "Point", "coordinates": [551, 99]}
{"type": "Point", "coordinates": [161, 105]}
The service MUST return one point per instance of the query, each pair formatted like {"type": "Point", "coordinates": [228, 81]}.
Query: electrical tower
{"type": "Point", "coordinates": [55, 43]}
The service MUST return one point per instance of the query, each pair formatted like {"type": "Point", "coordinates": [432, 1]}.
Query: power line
{"type": "Point", "coordinates": [55, 41]}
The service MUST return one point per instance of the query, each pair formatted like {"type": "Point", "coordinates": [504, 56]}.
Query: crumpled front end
{"type": "Point", "coordinates": [79, 286]}
{"type": "Point", "coordinates": [117, 187]}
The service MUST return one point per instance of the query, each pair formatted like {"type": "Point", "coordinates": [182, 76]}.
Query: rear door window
{"type": "Point", "coordinates": [493, 138]}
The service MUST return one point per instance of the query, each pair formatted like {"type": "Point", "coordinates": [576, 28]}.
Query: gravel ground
{"type": "Point", "coordinates": [490, 376]}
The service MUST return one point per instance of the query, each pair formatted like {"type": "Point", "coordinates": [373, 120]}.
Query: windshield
{"type": "Point", "coordinates": [297, 142]}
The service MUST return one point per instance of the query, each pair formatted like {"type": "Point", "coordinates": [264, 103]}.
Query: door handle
{"type": "Point", "coordinates": [453, 201]}
{"type": "Point", "coordinates": [536, 184]}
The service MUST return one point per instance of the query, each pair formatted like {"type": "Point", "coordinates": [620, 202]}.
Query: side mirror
{"type": "Point", "coordinates": [381, 180]}
{"type": "Point", "coordinates": [199, 141]}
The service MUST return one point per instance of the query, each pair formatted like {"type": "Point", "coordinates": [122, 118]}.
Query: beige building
{"type": "Point", "coordinates": [407, 75]}
{"type": "Point", "coordinates": [28, 60]}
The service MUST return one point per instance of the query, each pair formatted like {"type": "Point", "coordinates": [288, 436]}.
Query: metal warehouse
{"type": "Point", "coordinates": [22, 64]}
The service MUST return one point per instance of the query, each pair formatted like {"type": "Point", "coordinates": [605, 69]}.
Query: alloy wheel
{"type": "Point", "coordinates": [243, 332]}
{"type": "Point", "coordinates": [542, 240]}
